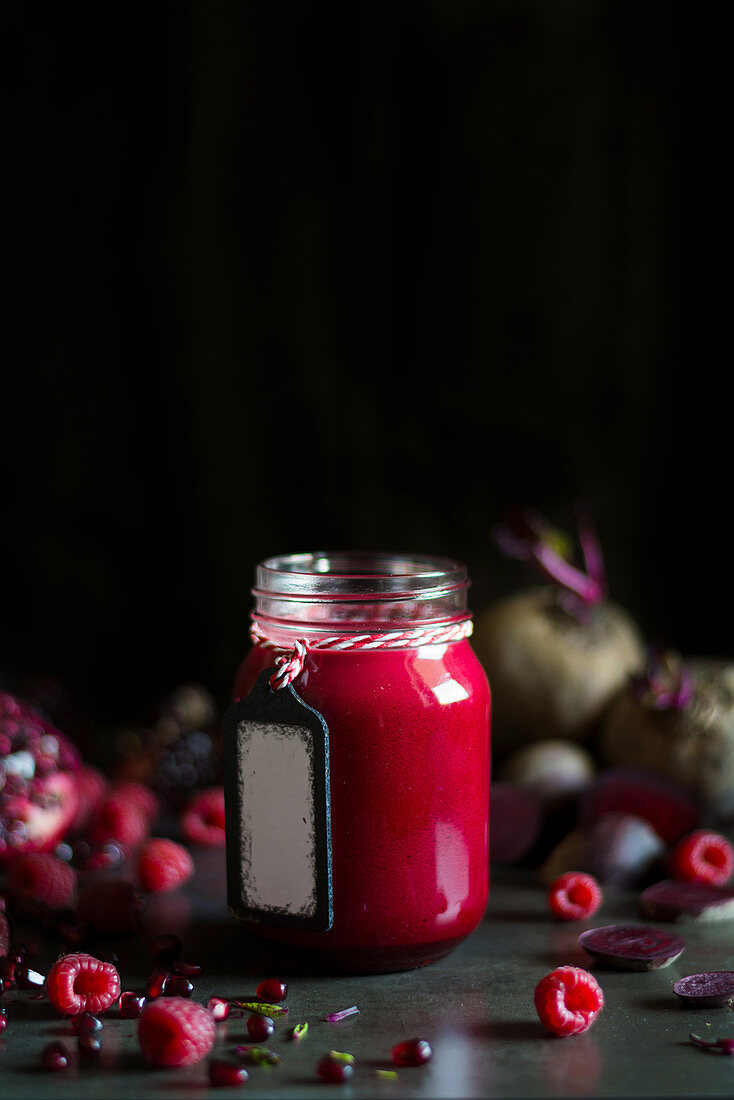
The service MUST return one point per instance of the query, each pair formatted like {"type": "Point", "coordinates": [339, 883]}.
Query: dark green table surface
{"type": "Point", "coordinates": [475, 1007]}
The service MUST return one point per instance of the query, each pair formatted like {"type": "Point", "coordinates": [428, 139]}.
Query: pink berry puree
{"type": "Point", "coordinates": [409, 757]}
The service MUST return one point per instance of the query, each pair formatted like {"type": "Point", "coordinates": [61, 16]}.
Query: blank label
{"type": "Point", "coordinates": [277, 804]}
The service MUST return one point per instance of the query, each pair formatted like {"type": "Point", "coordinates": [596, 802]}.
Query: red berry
{"type": "Point", "coordinates": [3, 1019]}
{"type": "Point", "coordinates": [80, 983]}
{"type": "Point", "coordinates": [202, 821]}
{"type": "Point", "coordinates": [26, 978]}
{"type": "Point", "coordinates": [178, 986]}
{"type": "Point", "coordinates": [120, 819]}
{"type": "Point", "coordinates": [86, 1023]}
{"type": "Point", "coordinates": [412, 1052]}
{"type": "Point", "coordinates": [259, 1027]}
{"type": "Point", "coordinates": [226, 1073]}
{"type": "Point", "coordinates": [113, 908]}
{"type": "Point", "coordinates": [173, 1031]}
{"type": "Point", "coordinates": [42, 877]}
{"type": "Point", "coordinates": [188, 968]}
{"type": "Point", "coordinates": [334, 1071]}
{"type": "Point", "coordinates": [574, 895]}
{"type": "Point", "coordinates": [568, 1000]}
{"type": "Point", "coordinates": [92, 789]}
{"type": "Point", "coordinates": [272, 991]}
{"type": "Point", "coordinates": [219, 1008]}
{"type": "Point", "coordinates": [163, 865]}
{"type": "Point", "coordinates": [131, 1005]}
{"type": "Point", "coordinates": [90, 1046]}
{"type": "Point", "coordinates": [54, 1057]}
{"type": "Point", "coordinates": [704, 857]}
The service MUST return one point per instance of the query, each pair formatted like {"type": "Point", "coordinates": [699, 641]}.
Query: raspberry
{"type": "Point", "coordinates": [173, 1031]}
{"type": "Point", "coordinates": [568, 1000]}
{"type": "Point", "coordinates": [112, 908]}
{"type": "Point", "coordinates": [574, 896]}
{"type": "Point", "coordinates": [40, 876]}
{"type": "Point", "coordinates": [202, 822]}
{"type": "Point", "coordinates": [81, 983]}
{"type": "Point", "coordinates": [703, 857]}
{"type": "Point", "coordinates": [92, 789]}
{"type": "Point", "coordinates": [163, 865]}
{"type": "Point", "coordinates": [124, 816]}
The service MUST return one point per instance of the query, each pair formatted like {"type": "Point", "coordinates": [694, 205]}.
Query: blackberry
{"type": "Point", "coordinates": [188, 763]}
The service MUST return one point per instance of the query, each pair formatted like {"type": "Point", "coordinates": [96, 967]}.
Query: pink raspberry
{"type": "Point", "coordinates": [568, 1000]}
{"type": "Point", "coordinates": [92, 789]}
{"type": "Point", "coordinates": [574, 895]}
{"type": "Point", "coordinates": [202, 821]}
{"type": "Point", "coordinates": [163, 865]}
{"type": "Point", "coordinates": [40, 876]}
{"type": "Point", "coordinates": [140, 796]}
{"type": "Point", "coordinates": [113, 908]}
{"type": "Point", "coordinates": [174, 1031]}
{"type": "Point", "coordinates": [120, 818]}
{"type": "Point", "coordinates": [703, 856]}
{"type": "Point", "coordinates": [80, 983]}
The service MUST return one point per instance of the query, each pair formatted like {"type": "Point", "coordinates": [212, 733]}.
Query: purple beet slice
{"type": "Point", "coordinates": [632, 946]}
{"type": "Point", "coordinates": [673, 900]}
{"type": "Point", "coordinates": [712, 989]}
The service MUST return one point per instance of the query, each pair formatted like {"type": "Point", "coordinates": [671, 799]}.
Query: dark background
{"type": "Point", "coordinates": [283, 277]}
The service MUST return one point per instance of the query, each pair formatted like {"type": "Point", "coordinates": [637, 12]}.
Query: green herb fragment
{"type": "Point", "coordinates": [339, 1056]}
{"type": "Point", "coordinates": [261, 1007]}
{"type": "Point", "coordinates": [258, 1056]}
{"type": "Point", "coordinates": [300, 1031]}
{"type": "Point", "coordinates": [386, 1074]}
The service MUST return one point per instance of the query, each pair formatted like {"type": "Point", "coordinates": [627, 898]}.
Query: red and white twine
{"type": "Point", "coordinates": [290, 663]}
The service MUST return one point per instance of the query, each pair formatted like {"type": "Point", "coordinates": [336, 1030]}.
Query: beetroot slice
{"type": "Point", "coordinates": [673, 900]}
{"type": "Point", "coordinates": [712, 989]}
{"type": "Point", "coordinates": [632, 946]}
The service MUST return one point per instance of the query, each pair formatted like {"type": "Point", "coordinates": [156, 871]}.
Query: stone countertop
{"type": "Point", "coordinates": [475, 1007]}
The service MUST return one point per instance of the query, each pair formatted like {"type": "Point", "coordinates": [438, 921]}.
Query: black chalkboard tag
{"type": "Point", "coordinates": [277, 809]}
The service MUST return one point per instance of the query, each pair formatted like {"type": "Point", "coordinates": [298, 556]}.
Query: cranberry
{"type": "Point", "coordinates": [166, 949]}
{"type": "Point", "coordinates": [259, 1027]}
{"type": "Point", "coordinates": [54, 1057]}
{"type": "Point", "coordinates": [218, 1007]}
{"type": "Point", "coordinates": [156, 983]}
{"type": "Point", "coordinates": [226, 1073]}
{"type": "Point", "coordinates": [86, 1023]}
{"type": "Point", "coordinates": [334, 1070]}
{"type": "Point", "coordinates": [272, 991]}
{"type": "Point", "coordinates": [178, 986]}
{"type": "Point", "coordinates": [131, 1005]}
{"type": "Point", "coordinates": [412, 1052]}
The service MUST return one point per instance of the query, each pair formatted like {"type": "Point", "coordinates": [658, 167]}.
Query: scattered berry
{"type": "Point", "coordinates": [202, 821]}
{"type": "Point", "coordinates": [156, 983]}
{"type": "Point", "coordinates": [122, 817]}
{"type": "Point", "coordinates": [131, 1005]}
{"type": "Point", "coordinates": [3, 1018]}
{"type": "Point", "coordinates": [188, 763]}
{"type": "Point", "coordinates": [163, 865]}
{"type": "Point", "coordinates": [272, 990]}
{"type": "Point", "coordinates": [574, 895]}
{"type": "Point", "coordinates": [259, 1027]}
{"type": "Point", "coordinates": [223, 1073]}
{"type": "Point", "coordinates": [334, 1071]}
{"type": "Point", "coordinates": [178, 986]}
{"type": "Point", "coordinates": [187, 968]}
{"type": "Point", "coordinates": [704, 857]}
{"type": "Point", "coordinates": [55, 1057]}
{"type": "Point", "coordinates": [219, 1008]}
{"type": "Point", "coordinates": [90, 1046]}
{"type": "Point", "coordinates": [86, 1023]}
{"type": "Point", "coordinates": [412, 1052]}
{"type": "Point", "coordinates": [568, 1000]}
{"type": "Point", "coordinates": [80, 983]}
{"type": "Point", "coordinates": [27, 978]}
{"type": "Point", "coordinates": [42, 877]}
{"type": "Point", "coordinates": [173, 1031]}
{"type": "Point", "coordinates": [92, 790]}
{"type": "Point", "coordinates": [112, 908]}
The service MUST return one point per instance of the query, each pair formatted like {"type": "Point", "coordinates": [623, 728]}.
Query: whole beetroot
{"type": "Point", "coordinates": [676, 719]}
{"type": "Point", "coordinates": [555, 656]}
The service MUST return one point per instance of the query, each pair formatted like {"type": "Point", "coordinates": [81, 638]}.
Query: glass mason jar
{"type": "Point", "coordinates": [409, 752]}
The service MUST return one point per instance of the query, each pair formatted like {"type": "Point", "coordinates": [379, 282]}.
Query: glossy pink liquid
{"type": "Point", "coordinates": [409, 753]}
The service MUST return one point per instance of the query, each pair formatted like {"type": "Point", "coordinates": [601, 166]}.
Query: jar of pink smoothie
{"type": "Point", "coordinates": [387, 665]}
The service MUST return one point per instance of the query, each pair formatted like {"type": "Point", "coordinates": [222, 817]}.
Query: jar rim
{"type": "Point", "coordinates": [327, 575]}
